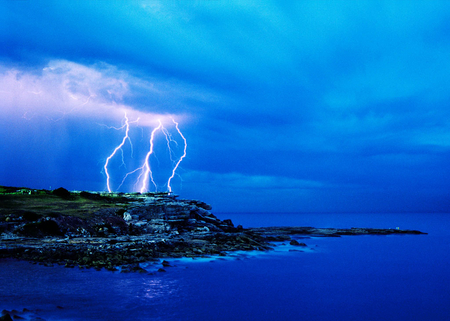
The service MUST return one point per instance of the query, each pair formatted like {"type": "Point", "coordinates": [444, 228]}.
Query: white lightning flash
{"type": "Point", "coordinates": [146, 169]}
{"type": "Point", "coordinates": [119, 147]}
{"type": "Point", "coordinates": [145, 176]}
{"type": "Point", "coordinates": [180, 159]}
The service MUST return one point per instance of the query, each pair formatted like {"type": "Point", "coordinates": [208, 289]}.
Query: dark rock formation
{"type": "Point", "coordinates": [271, 232]}
{"type": "Point", "coordinates": [6, 317]}
{"type": "Point", "coordinates": [25, 314]}
{"type": "Point", "coordinates": [40, 229]}
{"type": "Point", "coordinates": [296, 243]}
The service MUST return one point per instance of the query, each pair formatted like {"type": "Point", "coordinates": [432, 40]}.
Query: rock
{"type": "Point", "coordinates": [165, 263]}
{"type": "Point", "coordinates": [228, 222]}
{"type": "Point", "coordinates": [296, 243]}
{"type": "Point", "coordinates": [40, 229]}
{"type": "Point", "coordinates": [6, 317]}
{"type": "Point", "coordinates": [277, 238]}
{"type": "Point", "coordinates": [127, 217]}
{"type": "Point", "coordinates": [203, 229]}
{"type": "Point", "coordinates": [200, 204]}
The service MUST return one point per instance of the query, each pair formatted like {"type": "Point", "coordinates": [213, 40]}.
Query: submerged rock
{"type": "Point", "coordinates": [296, 243]}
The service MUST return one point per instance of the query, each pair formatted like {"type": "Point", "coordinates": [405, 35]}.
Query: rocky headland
{"type": "Point", "coordinates": [109, 230]}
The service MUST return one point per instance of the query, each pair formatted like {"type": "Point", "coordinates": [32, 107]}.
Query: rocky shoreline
{"type": "Point", "coordinates": [112, 231]}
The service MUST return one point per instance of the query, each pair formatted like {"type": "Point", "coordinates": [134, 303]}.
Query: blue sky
{"type": "Point", "coordinates": [286, 106]}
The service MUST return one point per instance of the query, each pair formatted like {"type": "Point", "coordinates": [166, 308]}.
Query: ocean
{"type": "Point", "coordinates": [399, 277]}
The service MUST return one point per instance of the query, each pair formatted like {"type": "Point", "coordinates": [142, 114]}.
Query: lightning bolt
{"type": "Point", "coordinates": [146, 169]}
{"type": "Point", "coordinates": [180, 159]}
{"type": "Point", "coordinates": [169, 140]}
{"type": "Point", "coordinates": [119, 147]}
{"type": "Point", "coordinates": [128, 174]}
{"type": "Point", "coordinates": [145, 176]}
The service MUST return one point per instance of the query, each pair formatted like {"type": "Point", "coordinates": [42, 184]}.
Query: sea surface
{"type": "Point", "coordinates": [402, 277]}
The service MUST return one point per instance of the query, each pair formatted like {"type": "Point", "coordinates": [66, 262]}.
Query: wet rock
{"type": "Point", "coordinates": [277, 238]}
{"type": "Point", "coordinates": [296, 243]}
{"type": "Point", "coordinates": [132, 268]}
{"type": "Point", "coordinates": [137, 268]}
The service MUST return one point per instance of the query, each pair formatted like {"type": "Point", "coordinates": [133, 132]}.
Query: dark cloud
{"type": "Point", "coordinates": [299, 106]}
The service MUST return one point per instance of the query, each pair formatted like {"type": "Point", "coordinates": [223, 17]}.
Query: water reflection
{"type": "Point", "coordinates": [160, 287]}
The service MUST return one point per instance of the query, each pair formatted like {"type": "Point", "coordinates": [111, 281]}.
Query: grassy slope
{"type": "Point", "coordinates": [46, 204]}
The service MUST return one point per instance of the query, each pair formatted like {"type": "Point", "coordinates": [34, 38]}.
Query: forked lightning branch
{"type": "Point", "coordinates": [145, 181]}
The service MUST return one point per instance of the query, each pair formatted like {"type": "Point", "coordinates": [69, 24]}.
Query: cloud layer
{"type": "Point", "coordinates": [300, 106]}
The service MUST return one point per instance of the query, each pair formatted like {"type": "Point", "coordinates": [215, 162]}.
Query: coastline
{"type": "Point", "coordinates": [103, 230]}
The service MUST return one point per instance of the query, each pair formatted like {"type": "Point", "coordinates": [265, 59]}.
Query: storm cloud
{"type": "Point", "coordinates": [301, 106]}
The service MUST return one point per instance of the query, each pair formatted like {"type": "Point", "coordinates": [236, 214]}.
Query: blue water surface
{"type": "Point", "coordinates": [403, 277]}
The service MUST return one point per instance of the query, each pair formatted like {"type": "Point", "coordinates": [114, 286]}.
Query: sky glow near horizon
{"type": "Point", "coordinates": [302, 106]}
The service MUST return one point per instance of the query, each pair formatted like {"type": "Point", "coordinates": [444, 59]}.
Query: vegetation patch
{"type": "Point", "coordinates": [14, 202]}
